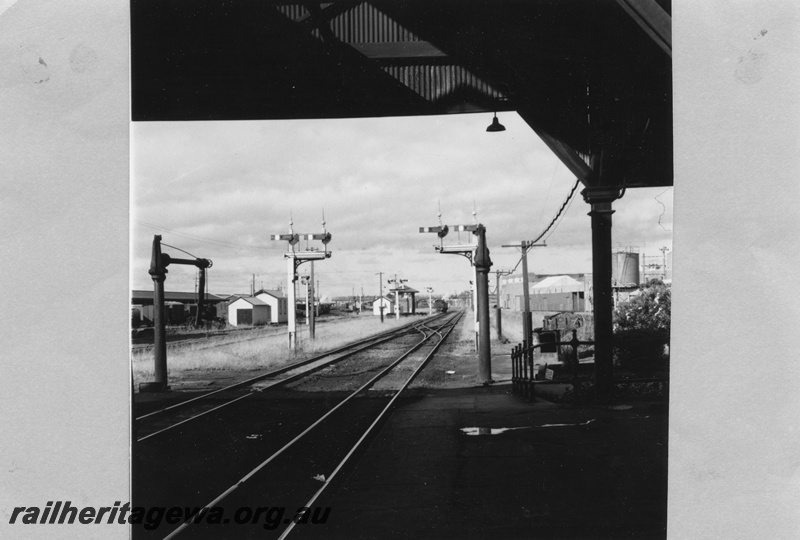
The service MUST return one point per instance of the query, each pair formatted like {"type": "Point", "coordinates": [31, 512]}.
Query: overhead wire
{"type": "Point", "coordinates": [219, 243]}
{"type": "Point", "coordinates": [560, 211]}
{"type": "Point", "coordinates": [560, 220]}
{"type": "Point", "coordinates": [549, 188]}
{"type": "Point", "coordinates": [179, 249]}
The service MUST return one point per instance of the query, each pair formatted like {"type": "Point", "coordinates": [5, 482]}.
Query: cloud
{"type": "Point", "coordinates": [220, 189]}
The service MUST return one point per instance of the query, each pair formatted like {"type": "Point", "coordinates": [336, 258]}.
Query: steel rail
{"type": "Point", "coordinates": [371, 342]}
{"type": "Point", "coordinates": [307, 430]}
{"type": "Point", "coordinates": [278, 371]}
{"type": "Point", "coordinates": [372, 426]}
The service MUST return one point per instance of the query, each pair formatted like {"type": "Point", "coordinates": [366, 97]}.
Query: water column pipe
{"type": "Point", "coordinates": [482, 264]}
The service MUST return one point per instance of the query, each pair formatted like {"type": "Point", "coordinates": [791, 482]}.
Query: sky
{"type": "Point", "coordinates": [219, 190]}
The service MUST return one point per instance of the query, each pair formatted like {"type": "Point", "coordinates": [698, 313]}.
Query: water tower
{"type": "Point", "coordinates": [625, 268]}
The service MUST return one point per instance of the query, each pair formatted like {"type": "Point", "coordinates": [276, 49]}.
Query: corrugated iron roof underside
{"type": "Point", "coordinates": [584, 75]}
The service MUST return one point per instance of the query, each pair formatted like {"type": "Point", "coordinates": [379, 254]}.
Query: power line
{"type": "Point", "coordinates": [219, 243]}
{"type": "Point", "coordinates": [179, 249]}
{"type": "Point", "coordinates": [549, 188]}
{"type": "Point", "coordinates": [562, 218]}
{"type": "Point", "coordinates": [560, 210]}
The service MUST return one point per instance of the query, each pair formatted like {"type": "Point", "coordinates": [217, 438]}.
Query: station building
{"type": "Point", "coordinates": [405, 299]}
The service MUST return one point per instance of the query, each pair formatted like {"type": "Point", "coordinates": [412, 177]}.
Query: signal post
{"type": "Point", "coordinates": [478, 256]}
{"type": "Point", "coordinates": [293, 260]}
{"type": "Point", "coordinates": [465, 250]}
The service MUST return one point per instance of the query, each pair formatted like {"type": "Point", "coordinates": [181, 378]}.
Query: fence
{"type": "Point", "coordinates": [525, 377]}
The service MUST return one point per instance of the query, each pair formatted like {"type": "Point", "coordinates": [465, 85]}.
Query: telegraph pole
{"type": "Point", "coordinates": [527, 324]}
{"type": "Point", "coordinates": [498, 311]}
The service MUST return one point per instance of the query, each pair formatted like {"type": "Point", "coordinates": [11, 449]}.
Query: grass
{"type": "Point", "coordinates": [265, 352]}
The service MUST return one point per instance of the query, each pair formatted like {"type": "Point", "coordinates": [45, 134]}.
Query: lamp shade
{"type": "Point", "coordinates": [496, 125]}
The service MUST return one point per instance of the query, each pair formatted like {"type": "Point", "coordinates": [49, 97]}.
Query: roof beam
{"type": "Point", "coordinates": [568, 156]}
{"type": "Point", "coordinates": [399, 50]}
{"type": "Point", "coordinates": [652, 19]}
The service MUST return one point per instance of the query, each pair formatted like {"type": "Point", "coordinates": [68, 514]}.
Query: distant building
{"type": "Point", "coordinates": [548, 292]}
{"type": "Point", "coordinates": [277, 302]}
{"type": "Point", "coordinates": [179, 306]}
{"type": "Point", "coordinates": [248, 311]}
{"type": "Point", "coordinates": [405, 299]}
{"type": "Point", "coordinates": [385, 303]}
{"type": "Point", "coordinates": [558, 293]}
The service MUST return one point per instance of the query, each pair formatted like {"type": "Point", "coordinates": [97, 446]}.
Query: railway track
{"type": "Point", "coordinates": [161, 420]}
{"type": "Point", "coordinates": [284, 449]}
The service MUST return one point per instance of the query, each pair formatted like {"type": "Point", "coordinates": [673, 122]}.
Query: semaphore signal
{"type": "Point", "coordinates": [294, 259]}
{"type": "Point", "coordinates": [478, 256]}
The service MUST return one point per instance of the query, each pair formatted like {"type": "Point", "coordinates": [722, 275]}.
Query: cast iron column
{"type": "Point", "coordinates": [201, 296]}
{"type": "Point", "coordinates": [601, 198]}
{"type": "Point", "coordinates": [482, 265]}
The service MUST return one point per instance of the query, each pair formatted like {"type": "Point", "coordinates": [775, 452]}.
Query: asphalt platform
{"type": "Point", "coordinates": [560, 472]}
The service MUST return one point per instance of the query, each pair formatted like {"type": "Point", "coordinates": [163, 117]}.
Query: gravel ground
{"type": "Point", "coordinates": [456, 363]}
{"type": "Point", "coordinates": [454, 366]}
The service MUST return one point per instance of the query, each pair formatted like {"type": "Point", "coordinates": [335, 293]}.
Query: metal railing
{"type": "Point", "coordinates": [525, 377]}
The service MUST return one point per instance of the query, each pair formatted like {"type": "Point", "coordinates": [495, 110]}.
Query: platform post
{"type": "Point", "coordinates": [600, 199]}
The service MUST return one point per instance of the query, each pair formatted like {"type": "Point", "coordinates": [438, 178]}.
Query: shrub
{"type": "Point", "coordinates": [649, 310]}
{"type": "Point", "coordinates": [642, 328]}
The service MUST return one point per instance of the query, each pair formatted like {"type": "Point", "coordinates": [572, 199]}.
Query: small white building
{"type": "Point", "coordinates": [388, 306]}
{"type": "Point", "coordinates": [278, 302]}
{"type": "Point", "coordinates": [248, 311]}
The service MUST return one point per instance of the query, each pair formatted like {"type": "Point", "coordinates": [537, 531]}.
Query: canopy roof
{"type": "Point", "coordinates": [592, 78]}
